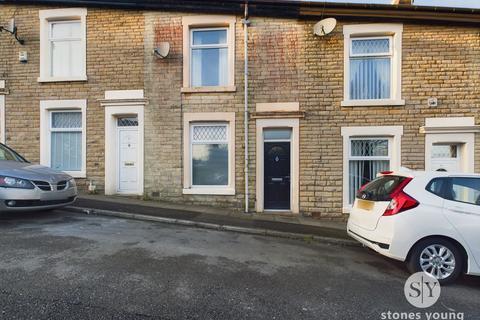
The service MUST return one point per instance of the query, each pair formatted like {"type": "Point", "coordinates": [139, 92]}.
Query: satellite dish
{"type": "Point", "coordinates": [325, 27]}
{"type": "Point", "coordinates": [162, 50]}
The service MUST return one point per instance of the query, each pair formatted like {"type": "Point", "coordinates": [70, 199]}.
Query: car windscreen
{"type": "Point", "coordinates": [380, 188]}
{"type": "Point", "coordinates": [10, 155]}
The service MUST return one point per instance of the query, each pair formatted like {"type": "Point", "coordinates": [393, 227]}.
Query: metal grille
{"type": "Point", "coordinates": [370, 46]}
{"type": "Point", "coordinates": [43, 185]}
{"type": "Point", "coordinates": [62, 185]}
{"type": "Point", "coordinates": [65, 120]}
{"type": "Point", "coordinates": [369, 148]}
{"type": "Point", "coordinates": [127, 122]}
{"type": "Point", "coordinates": [213, 133]}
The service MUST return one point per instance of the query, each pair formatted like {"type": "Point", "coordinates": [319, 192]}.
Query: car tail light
{"type": "Point", "coordinates": [400, 200]}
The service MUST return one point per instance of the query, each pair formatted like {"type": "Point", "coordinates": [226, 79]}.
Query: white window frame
{"type": "Point", "coordinates": [208, 22]}
{"type": "Point", "coordinates": [375, 31]}
{"type": "Point", "coordinates": [392, 133]}
{"type": "Point", "coordinates": [192, 143]}
{"type": "Point", "coordinates": [205, 46]}
{"type": "Point", "coordinates": [207, 118]}
{"type": "Point", "coordinates": [47, 17]}
{"type": "Point", "coordinates": [47, 107]}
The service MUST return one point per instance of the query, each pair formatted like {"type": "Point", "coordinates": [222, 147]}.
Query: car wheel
{"type": "Point", "coordinates": [437, 257]}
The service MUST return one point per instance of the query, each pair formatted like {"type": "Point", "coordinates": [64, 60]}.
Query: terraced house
{"type": "Point", "coordinates": [185, 101]}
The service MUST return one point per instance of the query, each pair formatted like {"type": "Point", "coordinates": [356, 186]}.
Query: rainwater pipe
{"type": "Point", "coordinates": [246, 23]}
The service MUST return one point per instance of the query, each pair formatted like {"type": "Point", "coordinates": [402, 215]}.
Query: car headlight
{"type": "Point", "coordinates": [72, 183]}
{"type": "Point", "coordinates": [9, 182]}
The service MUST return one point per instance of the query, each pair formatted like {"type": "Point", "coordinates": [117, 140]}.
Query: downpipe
{"type": "Point", "coordinates": [246, 23]}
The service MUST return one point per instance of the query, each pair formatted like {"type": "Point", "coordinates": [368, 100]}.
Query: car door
{"type": "Point", "coordinates": [462, 209]}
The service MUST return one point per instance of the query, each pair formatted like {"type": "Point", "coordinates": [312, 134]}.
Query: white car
{"type": "Point", "coordinates": [430, 220]}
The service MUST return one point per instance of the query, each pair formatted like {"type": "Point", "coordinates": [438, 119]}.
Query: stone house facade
{"type": "Point", "coordinates": [325, 113]}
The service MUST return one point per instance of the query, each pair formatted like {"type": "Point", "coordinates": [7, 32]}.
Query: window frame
{"type": "Point", "coordinates": [205, 142]}
{"type": "Point", "coordinates": [375, 31]}
{"type": "Point", "coordinates": [388, 158]}
{"type": "Point", "coordinates": [208, 119]}
{"type": "Point", "coordinates": [47, 108]}
{"type": "Point", "coordinates": [206, 46]}
{"type": "Point", "coordinates": [208, 22]}
{"type": "Point", "coordinates": [47, 19]}
{"type": "Point", "coordinates": [394, 133]}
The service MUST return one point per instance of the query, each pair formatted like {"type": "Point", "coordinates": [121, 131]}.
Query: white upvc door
{"type": "Point", "coordinates": [127, 165]}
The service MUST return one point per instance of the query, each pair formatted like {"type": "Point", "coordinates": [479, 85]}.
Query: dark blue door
{"type": "Point", "coordinates": [277, 175]}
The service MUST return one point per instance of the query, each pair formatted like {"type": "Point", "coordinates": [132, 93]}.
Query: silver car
{"type": "Point", "coordinates": [28, 187]}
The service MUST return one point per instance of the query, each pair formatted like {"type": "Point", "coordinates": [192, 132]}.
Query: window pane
{"type": "Point", "coordinates": [209, 67]}
{"type": "Point", "coordinates": [67, 58]}
{"type": "Point", "coordinates": [369, 148]}
{"type": "Point", "coordinates": [214, 133]}
{"type": "Point", "coordinates": [210, 164]}
{"type": "Point", "coordinates": [63, 30]}
{"type": "Point", "coordinates": [277, 134]}
{"type": "Point", "coordinates": [66, 151]}
{"type": "Point", "coordinates": [444, 151]}
{"type": "Point", "coordinates": [466, 190]}
{"type": "Point", "coordinates": [66, 120]}
{"type": "Point", "coordinates": [362, 172]}
{"type": "Point", "coordinates": [436, 186]}
{"type": "Point", "coordinates": [371, 46]}
{"type": "Point", "coordinates": [209, 37]}
{"type": "Point", "coordinates": [370, 78]}
{"type": "Point", "coordinates": [127, 122]}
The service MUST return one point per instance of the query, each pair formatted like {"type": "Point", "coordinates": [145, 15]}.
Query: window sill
{"type": "Point", "coordinates": [347, 210]}
{"type": "Point", "coordinates": [209, 89]}
{"type": "Point", "coordinates": [373, 103]}
{"type": "Point", "coordinates": [77, 174]}
{"type": "Point", "coordinates": [60, 79]}
{"type": "Point", "coordinates": [226, 191]}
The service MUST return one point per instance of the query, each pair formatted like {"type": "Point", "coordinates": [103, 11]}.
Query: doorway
{"type": "Point", "coordinates": [127, 160]}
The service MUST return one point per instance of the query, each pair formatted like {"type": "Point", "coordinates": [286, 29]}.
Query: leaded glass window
{"type": "Point", "coordinates": [209, 152]}
{"type": "Point", "coordinates": [66, 140]}
{"type": "Point", "coordinates": [367, 158]}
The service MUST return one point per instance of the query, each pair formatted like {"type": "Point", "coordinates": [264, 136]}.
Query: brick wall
{"type": "Point", "coordinates": [114, 62]}
{"type": "Point", "coordinates": [287, 64]}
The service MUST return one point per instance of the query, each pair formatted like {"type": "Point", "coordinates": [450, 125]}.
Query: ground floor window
{"type": "Point", "coordinates": [66, 140]}
{"type": "Point", "coordinates": [368, 157]}
{"type": "Point", "coordinates": [63, 136]}
{"type": "Point", "coordinates": [366, 152]}
{"type": "Point", "coordinates": [209, 156]}
{"type": "Point", "coordinates": [209, 153]}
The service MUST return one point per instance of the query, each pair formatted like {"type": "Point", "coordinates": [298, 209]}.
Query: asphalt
{"type": "Point", "coordinates": [333, 231]}
{"type": "Point", "coordinates": [64, 265]}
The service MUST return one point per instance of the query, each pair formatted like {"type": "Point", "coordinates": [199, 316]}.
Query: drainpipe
{"type": "Point", "coordinates": [246, 23]}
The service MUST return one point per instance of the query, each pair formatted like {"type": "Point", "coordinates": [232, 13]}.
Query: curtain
{"type": "Point", "coordinates": [364, 171]}
{"type": "Point", "coordinates": [66, 149]}
{"type": "Point", "coordinates": [370, 78]}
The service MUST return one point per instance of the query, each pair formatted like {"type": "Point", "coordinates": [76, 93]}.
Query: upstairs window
{"type": "Point", "coordinates": [373, 65]}
{"type": "Point", "coordinates": [63, 45]}
{"type": "Point", "coordinates": [66, 49]}
{"type": "Point", "coordinates": [370, 68]}
{"type": "Point", "coordinates": [209, 52]}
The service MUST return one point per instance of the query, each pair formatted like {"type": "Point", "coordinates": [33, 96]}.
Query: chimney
{"type": "Point", "coordinates": [403, 2]}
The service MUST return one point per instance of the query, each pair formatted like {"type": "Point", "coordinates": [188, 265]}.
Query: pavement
{"type": "Point", "coordinates": [293, 226]}
{"type": "Point", "coordinates": [66, 265]}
